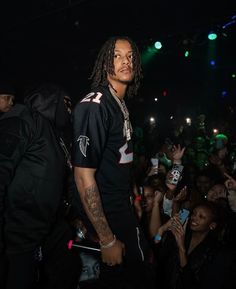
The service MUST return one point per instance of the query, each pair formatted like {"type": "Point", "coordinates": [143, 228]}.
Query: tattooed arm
{"type": "Point", "coordinates": [90, 196]}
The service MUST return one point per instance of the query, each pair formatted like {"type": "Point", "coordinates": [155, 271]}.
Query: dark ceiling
{"type": "Point", "coordinates": [58, 40]}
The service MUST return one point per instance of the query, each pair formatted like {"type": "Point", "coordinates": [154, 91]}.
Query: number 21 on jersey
{"type": "Point", "coordinates": [92, 97]}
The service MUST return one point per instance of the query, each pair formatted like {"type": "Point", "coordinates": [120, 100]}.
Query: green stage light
{"type": "Point", "coordinates": [158, 45]}
{"type": "Point", "coordinates": [212, 36]}
{"type": "Point", "coordinates": [186, 53]}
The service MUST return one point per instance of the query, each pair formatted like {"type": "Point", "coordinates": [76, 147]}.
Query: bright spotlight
{"type": "Point", "coordinates": [188, 120]}
{"type": "Point", "coordinates": [212, 36]}
{"type": "Point", "coordinates": [158, 45]}
{"type": "Point", "coordinates": [215, 131]}
{"type": "Point", "coordinates": [152, 120]}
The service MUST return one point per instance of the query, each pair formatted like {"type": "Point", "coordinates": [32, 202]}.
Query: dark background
{"type": "Point", "coordinates": [57, 40]}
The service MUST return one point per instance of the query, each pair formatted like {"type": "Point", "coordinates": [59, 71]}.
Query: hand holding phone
{"type": "Point", "coordinates": [174, 176]}
{"type": "Point", "coordinates": [183, 215]}
{"type": "Point", "coordinates": [155, 163]}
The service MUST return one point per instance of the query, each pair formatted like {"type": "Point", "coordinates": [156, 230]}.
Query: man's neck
{"type": "Point", "coordinates": [119, 89]}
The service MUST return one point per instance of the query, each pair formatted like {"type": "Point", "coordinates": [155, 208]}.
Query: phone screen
{"type": "Point", "coordinates": [183, 215]}
{"type": "Point", "coordinates": [175, 174]}
{"type": "Point", "coordinates": [154, 162]}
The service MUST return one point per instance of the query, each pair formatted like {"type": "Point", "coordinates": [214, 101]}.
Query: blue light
{"type": "Point", "coordinates": [212, 62]}
{"type": "Point", "coordinates": [224, 93]}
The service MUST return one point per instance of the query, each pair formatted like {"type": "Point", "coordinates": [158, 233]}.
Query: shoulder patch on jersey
{"type": "Point", "coordinates": [83, 144]}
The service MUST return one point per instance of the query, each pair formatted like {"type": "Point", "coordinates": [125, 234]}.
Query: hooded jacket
{"type": "Point", "coordinates": [32, 169]}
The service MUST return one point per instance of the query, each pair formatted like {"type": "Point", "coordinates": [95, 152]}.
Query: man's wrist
{"type": "Point", "coordinates": [108, 245]}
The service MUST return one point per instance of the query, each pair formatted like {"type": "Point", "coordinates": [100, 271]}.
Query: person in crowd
{"type": "Point", "coordinates": [230, 184]}
{"type": "Point", "coordinates": [187, 251]}
{"type": "Point", "coordinates": [7, 96]}
{"type": "Point", "coordinates": [32, 185]}
{"type": "Point", "coordinates": [217, 191]}
{"type": "Point", "coordinates": [102, 159]}
{"type": "Point", "coordinates": [219, 154]}
{"type": "Point", "coordinates": [157, 200]}
{"type": "Point", "coordinates": [147, 205]}
{"type": "Point", "coordinates": [225, 196]}
{"type": "Point", "coordinates": [203, 180]}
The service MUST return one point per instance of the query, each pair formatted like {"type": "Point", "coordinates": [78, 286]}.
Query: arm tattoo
{"type": "Point", "coordinates": [94, 208]}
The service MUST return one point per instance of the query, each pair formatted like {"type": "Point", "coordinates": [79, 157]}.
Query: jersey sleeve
{"type": "Point", "coordinates": [90, 127]}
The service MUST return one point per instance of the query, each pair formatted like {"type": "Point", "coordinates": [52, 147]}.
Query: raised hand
{"type": "Point", "coordinates": [230, 183]}
{"type": "Point", "coordinates": [177, 154]}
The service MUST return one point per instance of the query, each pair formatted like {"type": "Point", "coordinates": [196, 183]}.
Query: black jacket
{"type": "Point", "coordinates": [195, 273]}
{"type": "Point", "coordinates": [32, 168]}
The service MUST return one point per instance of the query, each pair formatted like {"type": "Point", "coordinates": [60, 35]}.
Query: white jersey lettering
{"type": "Point", "coordinates": [90, 97]}
{"type": "Point", "coordinates": [125, 158]}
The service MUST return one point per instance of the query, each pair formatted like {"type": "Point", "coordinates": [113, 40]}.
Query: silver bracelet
{"type": "Point", "coordinates": [109, 245]}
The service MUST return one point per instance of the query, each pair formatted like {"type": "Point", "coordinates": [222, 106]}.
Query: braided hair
{"type": "Point", "coordinates": [105, 64]}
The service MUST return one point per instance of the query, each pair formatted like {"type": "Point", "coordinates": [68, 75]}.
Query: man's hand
{"type": "Point", "coordinates": [114, 254]}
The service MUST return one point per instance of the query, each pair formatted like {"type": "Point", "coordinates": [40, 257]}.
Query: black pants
{"type": "Point", "coordinates": [59, 268]}
{"type": "Point", "coordinates": [20, 270]}
{"type": "Point", "coordinates": [134, 272]}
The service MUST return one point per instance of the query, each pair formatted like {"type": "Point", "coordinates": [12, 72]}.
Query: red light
{"type": "Point", "coordinates": [164, 93]}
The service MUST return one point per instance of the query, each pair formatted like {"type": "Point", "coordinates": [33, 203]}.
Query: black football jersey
{"type": "Point", "coordinates": [99, 143]}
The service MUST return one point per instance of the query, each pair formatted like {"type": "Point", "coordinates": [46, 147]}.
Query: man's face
{"type": "Point", "coordinates": [6, 102]}
{"type": "Point", "coordinates": [123, 63]}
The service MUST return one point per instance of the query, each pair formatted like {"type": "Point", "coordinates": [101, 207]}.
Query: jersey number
{"type": "Point", "coordinates": [92, 96]}
{"type": "Point", "coordinates": [125, 158]}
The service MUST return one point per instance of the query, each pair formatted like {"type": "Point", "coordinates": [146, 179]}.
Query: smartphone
{"type": "Point", "coordinates": [183, 215]}
{"type": "Point", "coordinates": [175, 174]}
{"type": "Point", "coordinates": [155, 162]}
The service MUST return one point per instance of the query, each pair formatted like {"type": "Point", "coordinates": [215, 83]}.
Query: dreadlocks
{"type": "Point", "coordinates": [105, 64]}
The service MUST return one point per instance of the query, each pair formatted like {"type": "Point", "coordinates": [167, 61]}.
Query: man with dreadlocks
{"type": "Point", "coordinates": [102, 162]}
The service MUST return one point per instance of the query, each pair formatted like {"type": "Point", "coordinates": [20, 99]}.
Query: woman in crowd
{"type": "Point", "coordinates": [187, 252]}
